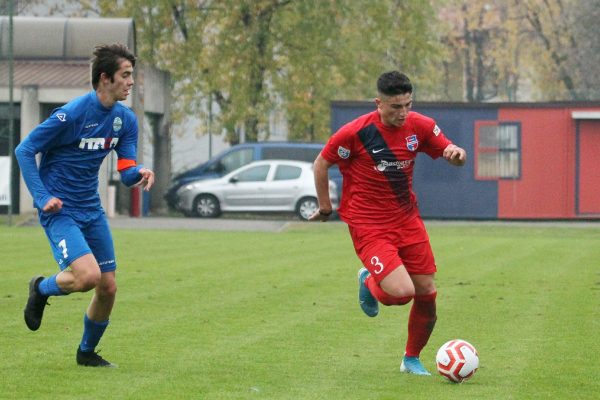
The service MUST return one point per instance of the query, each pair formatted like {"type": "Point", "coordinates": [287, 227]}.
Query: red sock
{"type": "Point", "coordinates": [420, 323]}
{"type": "Point", "coordinates": [382, 296]}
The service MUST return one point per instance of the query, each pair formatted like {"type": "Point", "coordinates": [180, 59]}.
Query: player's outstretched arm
{"type": "Point", "coordinates": [455, 155]}
{"type": "Point", "coordinates": [321, 171]}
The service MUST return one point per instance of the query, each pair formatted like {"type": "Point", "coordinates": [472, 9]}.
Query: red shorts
{"type": "Point", "coordinates": [382, 250]}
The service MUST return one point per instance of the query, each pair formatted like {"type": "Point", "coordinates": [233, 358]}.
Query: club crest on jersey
{"type": "Point", "coordinates": [117, 124]}
{"type": "Point", "coordinates": [343, 152]}
{"type": "Point", "coordinates": [436, 130]}
{"type": "Point", "coordinates": [412, 143]}
{"type": "Point", "coordinates": [61, 117]}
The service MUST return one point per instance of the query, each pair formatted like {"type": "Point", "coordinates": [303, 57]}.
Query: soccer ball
{"type": "Point", "coordinates": [457, 360]}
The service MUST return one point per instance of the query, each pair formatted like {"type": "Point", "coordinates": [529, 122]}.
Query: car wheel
{"type": "Point", "coordinates": [306, 207]}
{"type": "Point", "coordinates": [206, 206]}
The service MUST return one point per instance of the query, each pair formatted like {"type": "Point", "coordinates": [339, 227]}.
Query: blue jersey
{"type": "Point", "coordinates": [73, 142]}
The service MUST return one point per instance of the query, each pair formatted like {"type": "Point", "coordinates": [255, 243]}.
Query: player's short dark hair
{"type": "Point", "coordinates": [107, 58]}
{"type": "Point", "coordinates": [393, 83]}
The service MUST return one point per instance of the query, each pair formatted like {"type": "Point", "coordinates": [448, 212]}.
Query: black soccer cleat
{"type": "Point", "coordinates": [34, 310]}
{"type": "Point", "coordinates": [92, 359]}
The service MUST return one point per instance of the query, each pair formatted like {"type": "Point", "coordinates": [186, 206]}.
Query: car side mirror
{"type": "Point", "coordinates": [234, 179]}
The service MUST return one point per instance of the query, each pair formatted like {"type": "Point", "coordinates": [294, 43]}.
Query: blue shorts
{"type": "Point", "coordinates": [73, 234]}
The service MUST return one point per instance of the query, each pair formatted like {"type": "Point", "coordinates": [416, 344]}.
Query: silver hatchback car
{"type": "Point", "coordinates": [268, 185]}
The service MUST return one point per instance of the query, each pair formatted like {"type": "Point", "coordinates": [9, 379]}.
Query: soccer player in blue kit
{"type": "Point", "coordinates": [73, 142]}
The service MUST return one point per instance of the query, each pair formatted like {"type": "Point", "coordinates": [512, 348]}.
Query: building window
{"type": "Point", "coordinates": [498, 150]}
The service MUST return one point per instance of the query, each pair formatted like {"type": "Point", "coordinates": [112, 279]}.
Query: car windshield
{"type": "Point", "coordinates": [235, 160]}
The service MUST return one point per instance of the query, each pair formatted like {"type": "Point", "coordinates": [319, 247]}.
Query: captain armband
{"type": "Point", "coordinates": [130, 171]}
{"type": "Point", "coordinates": [123, 164]}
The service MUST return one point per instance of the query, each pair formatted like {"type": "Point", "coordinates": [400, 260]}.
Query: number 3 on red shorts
{"type": "Point", "coordinates": [377, 264]}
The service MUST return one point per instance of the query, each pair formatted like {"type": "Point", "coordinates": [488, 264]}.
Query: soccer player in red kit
{"type": "Point", "coordinates": [376, 155]}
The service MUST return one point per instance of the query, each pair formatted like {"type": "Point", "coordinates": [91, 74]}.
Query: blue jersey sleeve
{"type": "Point", "coordinates": [43, 138]}
{"type": "Point", "coordinates": [127, 150]}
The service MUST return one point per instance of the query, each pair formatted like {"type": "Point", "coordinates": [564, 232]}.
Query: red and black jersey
{"type": "Point", "coordinates": [377, 163]}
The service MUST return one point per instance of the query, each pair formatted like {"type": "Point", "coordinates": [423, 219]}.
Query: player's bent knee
{"type": "Point", "coordinates": [399, 291]}
{"type": "Point", "coordinates": [108, 290]}
{"type": "Point", "coordinates": [85, 281]}
{"type": "Point", "coordinates": [398, 285]}
{"type": "Point", "coordinates": [86, 273]}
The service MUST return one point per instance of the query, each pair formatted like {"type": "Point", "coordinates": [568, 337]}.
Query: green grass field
{"type": "Point", "coordinates": [247, 315]}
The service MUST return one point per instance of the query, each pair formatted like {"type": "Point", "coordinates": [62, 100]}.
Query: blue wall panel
{"type": "Point", "coordinates": [443, 191]}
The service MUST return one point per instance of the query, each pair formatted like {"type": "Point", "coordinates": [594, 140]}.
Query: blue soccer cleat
{"type": "Point", "coordinates": [367, 302]}
{"type": "Point", "coordinates": [412, 365]}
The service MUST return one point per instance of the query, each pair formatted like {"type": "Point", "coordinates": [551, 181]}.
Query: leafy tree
{"type": "Point", "coordinates": [336, 49]}
{"type": "Point", "coordinates": [483, 41]}
{"type": "Point", "coordinates": [71, 8]}
{"type": "Point", "coordinates": [566, 32]}
{"type": "Point", "coordinates": [513, 50]}
{"type": "Point", "coordinates": [250, 57]}
{"type": "Point", "coordinates": [586, 55]}
{"type": "Point", "coordinates": [548, 22]}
